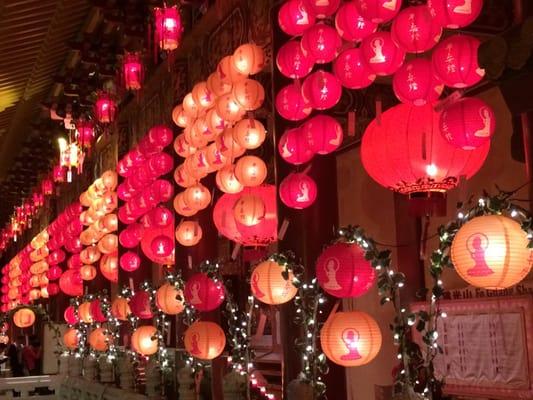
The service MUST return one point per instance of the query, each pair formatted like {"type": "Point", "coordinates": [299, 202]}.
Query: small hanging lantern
{"type": "Point", "coordinates": [105, 108]}
{"type": "Point", "coordinates": [59, 174]}
{"type": "Point", "coordinates": [85, 133]}
{"type": "Point", "coordinates": [168, 28]}
{"type": "Point", "coordinates": [132, 71]}
{"type": "Point", "coordinates": [47, 187]}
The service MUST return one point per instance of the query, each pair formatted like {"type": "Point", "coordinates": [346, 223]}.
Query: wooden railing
{"type": "Point", "coordinates": [43, 387]}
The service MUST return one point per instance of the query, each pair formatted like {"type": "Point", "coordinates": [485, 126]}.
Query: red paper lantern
{"type": "Point", "coordinates": [162, 246]}
{"type": "Point", "coordinates": [292, 62]}
{"type": "Point", "coordinates": [322, 43]}
{"type": "Point", "coordinates": [454, 14]}
{"type": "Point", "coordinates": [59, 174]}
{"type": "Point", "coordinates": [85, 133]}
{"type": "Point", "coordinates": [468, 123]}
{"type": "Point", "coordinates": [168, 28]}
{"type": "Point", "coordinates": [130, 261]}
{"type": "Point", "coordinates": [96, 311]}
{"type": "Point", "coordinates": [414, 29]}
{"type": "Point", "coordinates": [352, 70]}
{"type": "Point", "coordinates": [298, 190]}
{"type": "Point", "coordinates": [53, 289]}
{"type": "Point", "coordinates": [342, 271]}
{"type": "Point", "coordinates": [406, 152]}
{"type": "Point", "coordinates": [54, 273]}
{"type": "Point", "coordinates": [140, 305]}
{"type": "Point", "coordinates": [324, 134]}
{"type": "Point", "coordinates": [322, 90]}
{"type": "Point", "coordinates": [197, 196]}
{"type": "Point", "coordinates": [455, 61]}
{"type": "Point", "coordinates": [295, 17]}
{"type": "Point", "coordinates": [71, 283]}
{"type": "Point", "coordinates": [415, 83]}
{"type": "Point", "coordinates": [105, 108]}
{"type": "Point", "coordinates": [132, 71]}
{"type": "Point", "coordinates": [70, 315]}
{"type": "Point", "coordinates": [181, 207]}
{"type": "Point", "coordinates": [381, 54]}
{"type": "Point", "coordinates": [351, 25]}
{"type": "Point", "coordinates": [294, 148]}
{"type": "Point", "coordinates": [378, 11]}
{"type": "Point", "coordinates": [291, 104]}
{"type": "Point", "coordinates": [323, 8]}
{"type": "Point", "coordinates": [203, 292]}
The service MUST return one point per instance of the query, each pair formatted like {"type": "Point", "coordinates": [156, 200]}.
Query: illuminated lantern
{"type": "Point", "coordinates": [70, 339]}
{"type": "Point", "coordinates": [381, 54]}
{"type": "Point", "coordinates": [84, 312]}
{"type": "Point", "coordinates": [414, 29]}
{"type": "Point", "coordinates": [169, 299]}
{"type": "Point", "coordinates": [179, 117]}
{"type": "Point", "coordinates": [322, 43]}
{"type": "Point", "coordinates": [24, 318]}
{"type": "Point", "coordinates": [188, 233]}
{"type": "Point", "coordinates": [108, 244]}
{"type": "Point", "coordinates": [468, 123]}
{"type": "Point", "coordinates": [181, 207]}
{"type": "Point", "coordinates": [407, 153]}
{"type": "Point", "coordinates": [324, 134]}
{"type": "Point", "coordinates": [491, 252]}
{"type": "Point", "coordinates": [144, 340]}
{"type": "Point", "coordinates": [322, 90]}
{"type": "Point", "coordinates": [130, 261]}
{"type": "Point", "coordinates": [321, 8]}
{"type": "Point", "coordinates": [455, 61]}
{"type": "Point", "coordinates": [415, 83]}
{"type": "Point", "coordinates": [249, 133]}
{"type": "Point", "coordinates": [88, 272]}
{"type": "Point", "coordinates": [249, 93]}
{"type": "Point", "coordinates": [110, 222]}
{"type": "Point", "coordinates": [53, 289]}
{"type": "Point", "coordinates": [160, 217]}
{"type": "Point", "coordinates": [47, 187]}
{"type": "Point", "coordinates": [204, 293]}
{"type": "Point", "coordinates": [120, 309]}
{"type": "Point", "coordinates": [292, 62]}
{"type": "Point", "coordinates": [90, 255]}
{"type": "Point", "coordinates": [109, 267]}
{"type": "Point", "coordinates": [229, 108]}
{"type": "Point", "coordinates": [228, 73]}
{"type": "Point", "coordinates": [105, 108]}
{"type": "Point", "coordinates": [295, 17]}
{"type": "Point", "coordinates": [162, 245]}
{"type": "Point", "coordinates": [215, 123]}
{"type": "Point", "coordinates": [249, 59]}
{"type": "Point", "coordinates": [200, 133]}
{"type": "Point", "coordinates": [71, 283]}
{"type": "Point", "coordinates": [197, 196]}
{"type": "Point", "coordinates": [352, 71]}
{"type": "Point", "coordinates": [215, 158]}
{"type": "Point", "coordinates": [351, 25]}
{"type": "Point", "coordinates": [196, 166]}
{"type": "Point", "coordinates": [70, 315]}
{"type": "Point", "coordinates": [160, 136]}
{"type": "Point", "coordinates": [250, 171]}
{"type": "Point", "coordinates": [85, 133]}
{"type": "Point", "coordinates": [293, 147]}
{"type": "Point", "coordinates": [140, 305]}
{"type": "Point", "coordinates": [4, 339]}
{"type": "Point", "coordinates": [227, 146]}
{"type": "Point", "coordinates": [182, 147]}
{"type": "Point", "coordinates": [59, 174]}
{"type": "Point", "coordinates": [378, 11]}
{"type": "Point", "coordinates": [98, 340]}
{"type": "Point", "coordinates": [168, 28]}
{"type": "Point", "coordinates": [217, 86]}
{"type": "Point", "coordinates": [132, 71]}
{"type": "Point", "coordinates": [202, 96]}
{"type": "Point", "coordinates": [298, 190]}
{"type": "Point", "coordinates": [269, 286]}
{"type": "Point", "coordinates": [190, 108]}
{"type": "Point", "coordinates": [205, 340]}
{"type": "Point", "coordinates": [226, 180]}
{"type": "Point", "coordinates": [454, 14]}
{"type": "Point", "coordinates": [342, 271]}
{"type": "Point", "coordinates": [291, 104]}
{"type": "Point", "coordinates": [350, 338]}
{"type": "Point", "coordinates": [249, 209]}
{"type": "Point", "coordinates": [96, 311]}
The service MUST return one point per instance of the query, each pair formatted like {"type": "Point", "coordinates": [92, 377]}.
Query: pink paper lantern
{"type": "Point", "coordinates": [352, 70]}
{"type": "Point", "coordinates": [162, 246]}
{"type": "Point", "coordinates": [298, 190]}
{"type": "Point", "coordinates": [70, 315]}
{"type": "Point", "coordinates": [414, 30]}
{"type": "Point", "coordinates": [381, 54]}
{"type": "Point", "coordinates": [322, 43]}
{"type": "Point", "coordinates": [323, 133]}
{"type": "Point", "coordinates": [415, 83]}
{"type": "Point", "coordinates": [71, 283]}
{"type": "Point", "coordinates": [468, 123]}
{"type": "Point", "coordinates": [294, 17]}
{"type": "Point", "coordinates": [351, 25]}
{"type": "Point", "coordinates": [292, 62]}
{"type": "Point", "coordinates": [342, 271]}
{"type": "Point", "coordinates": [455, 61]}
{"type": "Point", "coordinates": [160, 217]}
{"type": "Point", "coordinates": [294, 148]}
{"type": "Point", "coordinates": [378, 11]}
{"type": "Point", "coordinates": [322, 90]}
{"type": "Point", "coordinates": [323, 8]}
{"type": "Point", "coordinates": [54, 273]}
{"type": "Point", "coordinates": [291, 104]}
{"type": "Point", "coordinates": [203, 292]}
{"type": "Point", "coordinates": [140, 305]}
{"type": "Point", "coordinates": [130, 261]}
{"type": "Point", "coordinates": [454, 14]}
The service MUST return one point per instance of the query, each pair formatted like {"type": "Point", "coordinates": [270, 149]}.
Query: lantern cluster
{"type": "Point", "coordinates": [15, 282]}
{"type": "Point", "coordinates": [143, 189]}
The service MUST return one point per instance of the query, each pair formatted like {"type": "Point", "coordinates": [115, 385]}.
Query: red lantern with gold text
{"type": "Point", "coordinates": [352, 71]}
{"type": "Point", "coordinates": [381, 54]}
{"type": "Point", "coordinates": [169, 299]}
{"type": "Point", "coordinates": [269, 286]}
{"type": "Point", "coordinates": [204, 293]}
{"type": "Point", "coordinates": [414, 30]}
{"type": "Point", "coordinates": [351, 25]}
{"type": "Point", "coordinates": [168, 28]}
{"type": "Point", "coordinates": [132, 71]}
{"type": "Point", "coordinates": [144, 340]}
{"type": "Point", "coordinates": [292, 62]}
{"type": "Point", "coordinates": [105, 108]}
{"type": "Point", "coordinates": [322, 43]}
{"type": "Point", "coordinates": [378, 11]}
{"type": "Point", "coordinates": [322, 90]}
{"type": "Point", "coordinates": [295, 17]}
{"type": "Point", "coordinates": [298, 190]}
{"type": "Point", "coordinates": [416, 84]}
{"type": "Point", "coordinates": [454, 14]}
{"type": "Point", "coordinates": [291, 104]}
{"type": "Point", "coordinates": [204, 340]}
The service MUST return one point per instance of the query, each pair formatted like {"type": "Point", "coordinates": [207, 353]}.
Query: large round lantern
{"type": "Point", "coordinates": [342, 271]}
{"type": "Point", "coordinates": [249, 210]}
{"type": "Point", "coordinates": [352, 70]}
{"type": "Point", "coordinates": [298, 190]}
{"type": "Point", "coordinates": [105, 108]}
{"type": "Point", "coordinates": [162, 245]}
{"type": "Point", "coordinates": [269, 286]}
{"type": "Point", "coordinates": [181, 207]}
{"type": "Point", "coordinates": [381, 54]}
{"type": "Point", "coordinates": [293, 147]}
{"type": "Point", "coordinates": [249, 59]}
{"type": "Point", "coordinates": [249, 93]}
{"type": "Point", "coordinates": [99, 340]}
{"type": "Point", "coordinates": [168, 28]}
{"type": "Point", "coordinates": [229, 108]}
{"type": "Point", "coordinates": [468, 123]}
{"type": "Point", "coordinates": [120, 309]}
{"type": "Point", "coordinates": [249, 133]}
{"type": "Point", "coordinates": [144, 340]}
{"type": "Point", "coordinates": [140, 305]}
{"type": "Point", "coordinates": [70, 339]}
{"type": "Point", "coordinates": [416, 84]}
{"type": "Point", "coordinates": [205, 340]}
{"type": "Point", "coordinates": [324, 134]}
{"type": "Point", "coordinates": [406, 152]}
{"type": "Point", "coordinates": [295, 17]}
{"type": "Point", "coordinates": [24, 318]}
{"type": "Point", "coordinates": [323, 9]}
{"type": "Point", "coordinates": [491, 252]}
{"type": "Point", "coordinates": [454, 14]}
{"type": "Point", "coordinates": [130, 261]}
{"type": "Point", "coordinates": [378, 11]}
{"type": "Point", "coordinates": [84, 312]}
{"type": "Point", "coordinates": [455, 61]}
{"type": "Point", "coordinates": [197, 196]}
{"type": "Point", "coordinates": [217, 86]}
{"type": "Point", "coordinates": [204, 293]}
{"type": "Point", "coordinates": [322, 43]}
{"type": "Point", "coordinates": [414, 29]}
{"type": "Point", "coordinates": [292, 62]}
{"type": "Point", "coordinates": [169, 299]}
{"type": "Point", "coordinates": [228, 72]}
{"type": "Point", "coordinates": [350, 338]}
{"type": "Point", "coordinates": [71, 283]}
{"type": "Point", "coordinates": [351, 25]}
{"type": "Point", "coordinates": [226, 180]}
{"type": "Point", "coordinates": [322, 90]}
{"type": "Point", "coordinates": [291, 104]}
{"type": "Point", "coordinates": [250, 171]}
{"type": "Point", "coordinates": [188, 233]}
